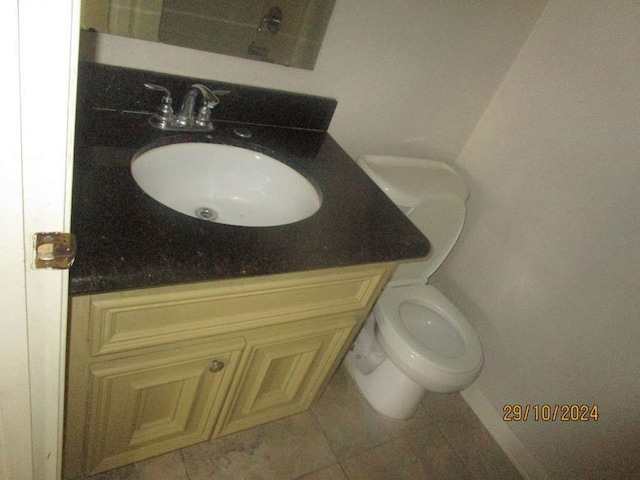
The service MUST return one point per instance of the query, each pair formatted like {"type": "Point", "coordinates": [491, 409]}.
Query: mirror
{"type": "Point", "coordinates": [286, 32]}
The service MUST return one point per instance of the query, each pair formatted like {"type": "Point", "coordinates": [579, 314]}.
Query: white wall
{"type": "Point", "coordinates": [548, 269]}
{"type": "Point", "coordinates": [411, 77]}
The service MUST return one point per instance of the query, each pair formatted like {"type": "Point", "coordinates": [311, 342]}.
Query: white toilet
{"type": "Point", "coordinates": [416, 339]}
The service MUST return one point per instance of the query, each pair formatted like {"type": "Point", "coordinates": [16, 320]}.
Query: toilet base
{"type": "Point", "coordinates": [387, 389]}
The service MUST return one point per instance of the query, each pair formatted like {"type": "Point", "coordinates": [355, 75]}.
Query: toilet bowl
{"type": "Point", "coordinates": [428, 338]}
{"type": "Point", "coordinates": [416, 339]}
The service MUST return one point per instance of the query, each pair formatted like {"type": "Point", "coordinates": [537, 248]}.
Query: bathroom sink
{"type": "Point", "coordinates": [225, 184]}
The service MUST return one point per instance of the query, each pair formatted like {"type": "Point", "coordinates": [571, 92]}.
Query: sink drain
{"type": "Point", "coordinates": [206, 213]}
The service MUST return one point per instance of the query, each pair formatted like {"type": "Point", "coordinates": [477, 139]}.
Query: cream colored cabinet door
{"type": "Point", "coordinates": [158, 402]}
{"type": "Point", "coordinates": [285, 367]}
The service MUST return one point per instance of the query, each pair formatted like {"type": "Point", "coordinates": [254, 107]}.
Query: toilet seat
{"type": "Point", "coordinates": [450, 360]}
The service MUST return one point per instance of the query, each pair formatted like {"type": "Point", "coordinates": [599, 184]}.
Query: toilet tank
{"type": "Point", "coordinates": [434, 198]}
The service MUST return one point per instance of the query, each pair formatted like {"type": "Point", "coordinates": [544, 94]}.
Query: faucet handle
{"type": "Point", "coordinates": [220, 93]}
{"type": "Point", "coordinates": [166, 99]}
{"type": "Point", "coordinates": [164, 116]}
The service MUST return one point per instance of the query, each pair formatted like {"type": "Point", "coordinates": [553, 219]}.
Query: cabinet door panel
{"type": "Point", "coordinates": [156, 403]}
{"type": "Point", "coordinates": [285, 368]}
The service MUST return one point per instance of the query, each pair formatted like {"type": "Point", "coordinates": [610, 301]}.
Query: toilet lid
{"type": "Point", "coordinates": [422, 325]}
{"type": "Point", "coordinates": [433, 196]}
{"type": "Point", "coordinates": [440, 219]}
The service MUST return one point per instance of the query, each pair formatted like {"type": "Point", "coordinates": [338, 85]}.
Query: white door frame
{"type": "Point", "coordinates": [42, 54]}
{"type": "Point", "coordinates": [15, 411]}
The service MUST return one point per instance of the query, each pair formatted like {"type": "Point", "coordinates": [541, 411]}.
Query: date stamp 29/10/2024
{"type": "Point", "coordinates": [514, 412]}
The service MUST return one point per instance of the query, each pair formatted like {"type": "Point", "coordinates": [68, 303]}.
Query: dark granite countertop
{"type": "Point", "coordinates": [127, 240]}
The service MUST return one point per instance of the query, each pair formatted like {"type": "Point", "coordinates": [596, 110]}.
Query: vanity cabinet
{"type": "Point", "coordinates": [154, 370]}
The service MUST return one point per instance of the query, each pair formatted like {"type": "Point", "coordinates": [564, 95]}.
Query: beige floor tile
{"type": "Point", "coordinates": [334, 472]}
{"type": "Point", "coordinates": [349, 423]}
{"type": "Point", "coordinates": [280, 450]}
{"type": "Point", "coordinates": [156, 468]}
{"type": "Point", "coordinates": [437, 455]}
{"type": "Point", "coordinates": [392, 460]}
{"type": "Point", "coordinates": [444, 405]}
{"type": "Point", "coordinates": [421, 419]}
{"type": "Point", "coordinates": [477, 449]}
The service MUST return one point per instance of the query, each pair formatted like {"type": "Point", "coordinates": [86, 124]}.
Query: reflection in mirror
{"type": "Point", "coordinates": [286, 32]}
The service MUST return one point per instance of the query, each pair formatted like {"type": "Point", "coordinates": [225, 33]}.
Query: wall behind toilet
{"type": "Point", "coordinates": [548, 267]}
{"type": "Point", "coordinates": [411, 77]}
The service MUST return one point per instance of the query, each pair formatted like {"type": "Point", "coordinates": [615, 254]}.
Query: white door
{"type": "Point", "coordinates": [15, 411]}
{"type": "Point", "coordinates": [39, 55]}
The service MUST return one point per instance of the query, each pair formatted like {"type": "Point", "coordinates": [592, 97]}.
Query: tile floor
{"type": "Point", "coordinates": [341, 438]}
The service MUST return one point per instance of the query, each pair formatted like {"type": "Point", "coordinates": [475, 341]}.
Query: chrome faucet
{"type": "Point", "coordinates": [186, 119]}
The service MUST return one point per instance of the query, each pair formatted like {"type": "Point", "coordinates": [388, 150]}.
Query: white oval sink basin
{"type": "Point", "coordinates": [225, 184]}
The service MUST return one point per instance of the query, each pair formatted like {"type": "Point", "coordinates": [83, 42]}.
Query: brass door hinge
{"type": "Point", "coordinates": [54, 250]}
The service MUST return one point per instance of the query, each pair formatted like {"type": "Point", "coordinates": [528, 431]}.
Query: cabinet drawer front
{"type": "Point", "coordinates": [145, 318]}
{"type": "Point", "coordinates": [155, 403]}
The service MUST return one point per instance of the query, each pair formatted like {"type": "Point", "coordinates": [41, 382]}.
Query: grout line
{"type": "Point", "coordinates": [320, 469]}
{"type": "Point", "coordinates": [344, 472]}
{"type": "Point", "coordinates": [455, 450]}
{"type": "Point", "coordinates": [184, 464]}
{"type": "Point", "coordinates": [324, 433]}
{"type": "Point", "coordinates": [355, 453]}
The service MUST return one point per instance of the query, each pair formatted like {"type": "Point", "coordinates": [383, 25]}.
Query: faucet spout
{"type": "Point", "coordinates": [187, 116]}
